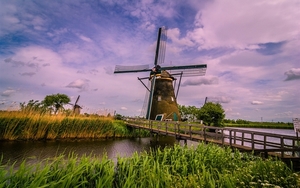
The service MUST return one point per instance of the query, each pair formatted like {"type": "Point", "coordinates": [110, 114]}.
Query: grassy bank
{"type": "Point", "coordinates": [34, 126]}
{"type": "Point", "coordinates": [203, 166]}
{"type": "Point", "coordinates": [269, 125]}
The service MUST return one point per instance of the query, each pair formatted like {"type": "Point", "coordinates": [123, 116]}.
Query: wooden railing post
{"type": "Point", "coordinates": [204, 131]}
{"type": "Point", "coordinates": [223, 138]}
{"type": "Point", "coordinates": [178, 125]}
{"type": "Point", "coordinates": [158, 127]}
{"type": "Point", "coordinates": [166, 126]}
{"type": "Point", "coordinates": [243, 135]}
{"type": "Point", "coordinates": [265, 142]}
{"type": "Point", "coordinates": [265, 146]}
{"type": "Point", "coordinates": [282, 146]}
{"type": "Point", "coordinates": [252, 141]}
{"type": "Point", "coordinates": [230, 137]}
{"type": "Point", "coordinates": [234, 136]}
{"type": "Point", "coordinates": [190, 131]}
{"type": "Point", "coordinates": [294, 144]}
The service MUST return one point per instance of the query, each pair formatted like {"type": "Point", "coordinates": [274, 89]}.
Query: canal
{"type": "Point", "coordinates": [36, 151]}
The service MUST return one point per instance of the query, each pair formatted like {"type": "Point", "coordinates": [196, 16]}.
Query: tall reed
{"type": "Point", "coordinates": [34, 126]}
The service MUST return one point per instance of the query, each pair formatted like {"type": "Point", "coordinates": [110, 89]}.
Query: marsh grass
{"type": "Point", "coordinates": [36, 126]}
{"type": "Point", "coordinates": [86, 171]}
{"type": "Point", "coordinates": [202, 166]}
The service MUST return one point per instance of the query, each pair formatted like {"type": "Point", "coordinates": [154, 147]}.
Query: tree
{"type": "Point", "coordinates": [56, 101]}
{"type": "Point", "coordinates": [188, 112]}
{"type": "Point", "coordinates": [212, 113]}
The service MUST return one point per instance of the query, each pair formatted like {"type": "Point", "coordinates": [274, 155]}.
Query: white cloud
{"type": "Point", "coordinates": [221, 99]}
{"type": "Point", "coordinates": [201, 81]}
{"type": "Point", "coordinates": [84, 38]}
{"type": "Point", "coordinates": [240, 24]}
{"type": "Point", "coordinates": [256, 102]}
{"type": "Point", "coordinates": [123, 108]}
{"type": "Point", "coordinates": [293, 74]}
{"type": "Point", "coordinates": [81, 84]}
{"type": "Point", "coordinates": [8, 92]}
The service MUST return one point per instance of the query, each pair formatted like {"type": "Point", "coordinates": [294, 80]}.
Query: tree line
{"type": "Point", "coordinates": [210, 113]}
{"type": "Point", "coordinates": [51, 103]}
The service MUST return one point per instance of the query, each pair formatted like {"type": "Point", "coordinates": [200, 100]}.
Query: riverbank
{"type": "Point", "coordinates": [203, 166]}
{"type": "Point", "coordinates": [266, 125]}
{"type": "Point", "coordinates": [33, 126]}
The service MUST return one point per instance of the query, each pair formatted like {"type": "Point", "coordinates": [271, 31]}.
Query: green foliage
{"type": "Point", "coordinates": [188, 112]}
{"type": "Point", "coordinates": [118, 117]}
{"type": "Point", "coordinates": [201, 166]}
{"type": "Point", "coordinates": [212, 113]}
{"type": "Point", "coordinates": [56, 101]}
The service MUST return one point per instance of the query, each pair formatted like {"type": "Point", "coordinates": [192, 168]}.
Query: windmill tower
{"type": "Point", "coordinates": [162, 101]}
{"type": "Point", "coordinates": [76, 107]}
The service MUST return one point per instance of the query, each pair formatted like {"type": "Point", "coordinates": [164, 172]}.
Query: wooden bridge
{"type": "Point", "coordinates": [285, 147]}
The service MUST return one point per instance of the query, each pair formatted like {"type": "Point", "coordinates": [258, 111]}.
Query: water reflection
{"type": "Point", "coordinates": [36, 151]}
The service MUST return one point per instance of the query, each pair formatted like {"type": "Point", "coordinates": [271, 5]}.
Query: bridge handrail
{"type": "Point", "coordinates": [232, 138]}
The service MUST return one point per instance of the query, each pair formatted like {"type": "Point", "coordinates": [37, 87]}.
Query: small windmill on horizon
{"type": "Point", "coordinates": [162, 101]}
{"type": "Point", "coordinates": [76, 107]}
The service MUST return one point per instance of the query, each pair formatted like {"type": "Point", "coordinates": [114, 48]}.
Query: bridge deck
{"type": "Point", "coordinates": [266, 144]}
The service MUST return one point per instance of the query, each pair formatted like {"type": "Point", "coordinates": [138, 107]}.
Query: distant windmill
{"type": "Point", "coordinates": [76, 107]}
{"type": "Point", "coordinates": [162, 102]}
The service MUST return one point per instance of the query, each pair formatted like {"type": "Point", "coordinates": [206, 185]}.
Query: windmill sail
{"type": "Point", "coordinates": [161, 46]}
{"type": "Point", "coordinates": [188, 70]}
{"type": "Point", "coordinates": [133, 68]}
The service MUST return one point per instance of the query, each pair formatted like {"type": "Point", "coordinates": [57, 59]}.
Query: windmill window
{"type": "Point", "coordinates": [172, 98]}
{"type": "Point", "coordinates": [159, 98]}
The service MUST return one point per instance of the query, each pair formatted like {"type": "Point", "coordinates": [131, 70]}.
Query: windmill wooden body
{"type": "Point", "coordinates": [162, 100]}
{"type": "Point", "coordinates": [76, 107]}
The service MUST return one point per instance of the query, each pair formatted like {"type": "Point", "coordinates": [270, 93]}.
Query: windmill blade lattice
{"type": "Point", "coordinates": [133, 68]}
{"type": "Point", "coordinates": [161, 45]}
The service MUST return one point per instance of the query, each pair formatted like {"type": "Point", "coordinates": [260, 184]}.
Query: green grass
{"type": "Point", "coordinates": [269, 125]}
{"type": "Point", "coordinates": [34, 126]}
{"type": "Point", "coordinates": [202, 166]}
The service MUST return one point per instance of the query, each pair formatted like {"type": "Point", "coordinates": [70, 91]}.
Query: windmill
{"type": "Point", "coordinates": [76, 107]}
{"type": "Point", "coordinates": [162, 101]}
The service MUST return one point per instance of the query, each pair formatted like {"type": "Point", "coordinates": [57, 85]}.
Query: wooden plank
{"type": "Point", "coordinates": [186, 132]}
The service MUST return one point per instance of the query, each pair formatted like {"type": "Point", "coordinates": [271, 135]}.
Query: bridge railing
{"type": "Point", "coordinates": [282, 145]}
{"type": "Point", "coordinates": [264, 142]}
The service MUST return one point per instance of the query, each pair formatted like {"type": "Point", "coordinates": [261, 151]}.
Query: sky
{"type": "Point", "coordinates": [251, 49]}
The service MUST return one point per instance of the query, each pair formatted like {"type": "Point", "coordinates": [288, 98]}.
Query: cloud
{"type": "Point", "coordinates": [84, 38]}
{"type": "Point", "coordinates": [200, 81]}
{"type": "Point", "coordinates": [215, 27]}
{"type": "Point", "coordinates": [222, 99]}
{"type": "Point", "coordinates": [8, 92]}
{"type": "Point", "coordinates": [14, 63]}
{"type": "Point", "coordinates": [94, 71]}
{"type": "Point", "coordinates": [256, 102]}
{"type": "Point", "coordinates": [123, 108]}
{"type": "Point", "coordinates": [27, 74]}
{"type": "Point", "coordinates": [293, 74]}
{"type": "Point", "coordinates": [81, 84]}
